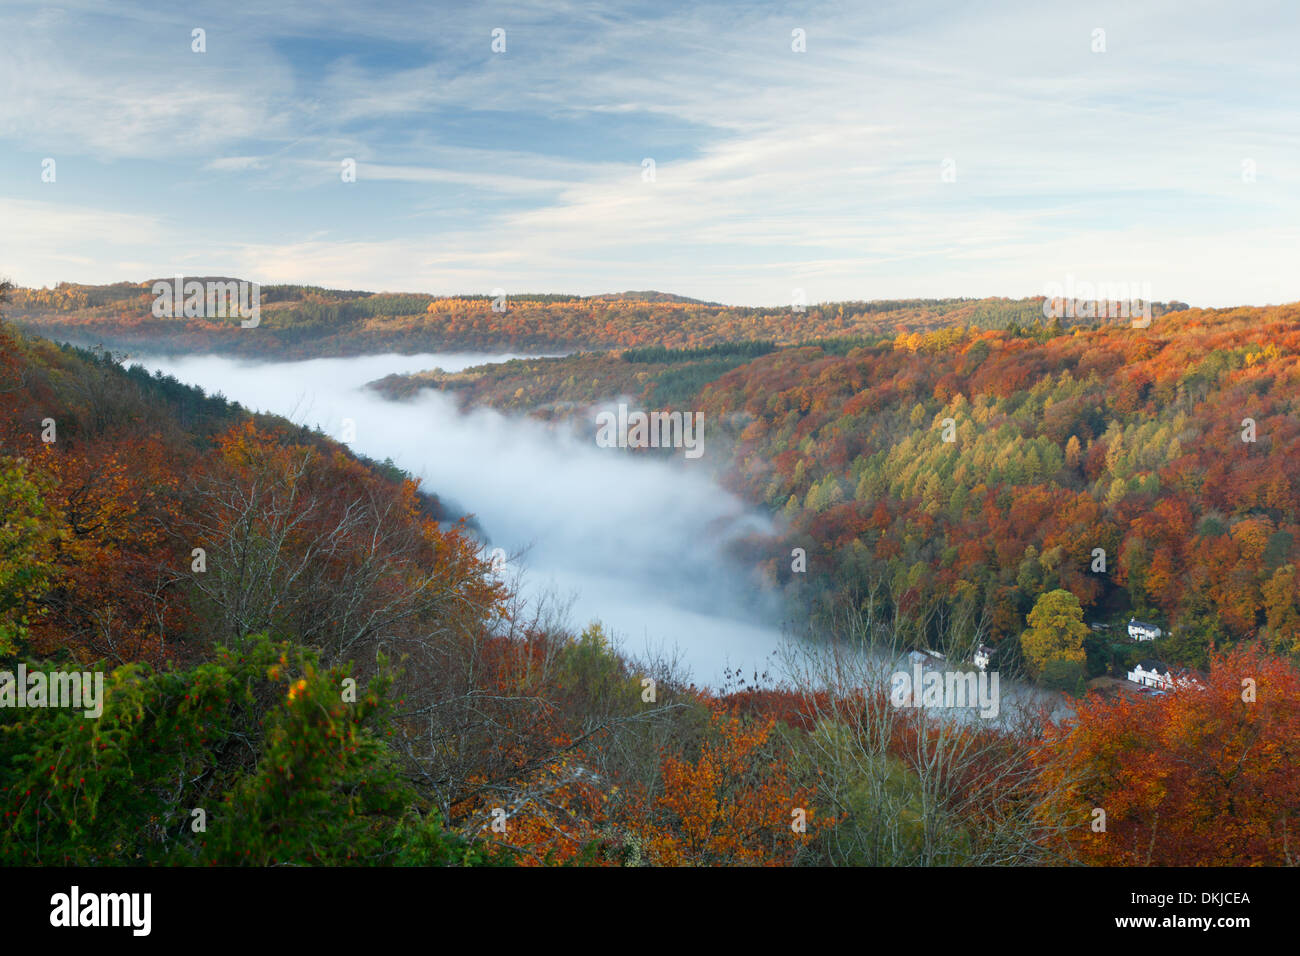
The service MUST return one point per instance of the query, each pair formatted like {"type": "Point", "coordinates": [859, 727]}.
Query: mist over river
{"type": "Point", "coordinates": [637, 543]}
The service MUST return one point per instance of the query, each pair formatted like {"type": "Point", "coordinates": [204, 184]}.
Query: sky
{"type": "Point", "coordinates": [911, 149]}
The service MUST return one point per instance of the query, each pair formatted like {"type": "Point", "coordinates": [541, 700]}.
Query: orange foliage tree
{"type": "Point", "coordinates": [1199, 776]}
{"type": "Point", "coordinates": [737, 803]}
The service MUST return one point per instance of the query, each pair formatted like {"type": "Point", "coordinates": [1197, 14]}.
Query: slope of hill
{"type": "Point", "coordinates": [955, 476]}
{"type": "Point", "coordinates": [283, 635]}
{"type": "Point", "coordinates": [304, 322]}
{"type": "Point", "coordinates": [230, 577]}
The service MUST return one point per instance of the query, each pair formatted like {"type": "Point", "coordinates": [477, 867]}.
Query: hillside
{"type": "Point", "coordinates": [291, 641]}
{"type": "Point", "coordinates": [1120, 439]}
{"type": "Point", "coordinates": [559, 388]}
{"type": "Point", "coordinates": [306, 322]}
{"type": "Point", "coordinates": [225, 575]}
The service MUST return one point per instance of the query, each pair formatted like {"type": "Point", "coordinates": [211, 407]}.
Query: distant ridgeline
{"type": "Point", "coordinates": [308, 321]}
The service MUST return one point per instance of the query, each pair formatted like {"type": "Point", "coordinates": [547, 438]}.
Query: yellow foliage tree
{"type": "Point", "coordinates": [28, 537]}
{"type": "Point", "coordinates": [1056, 630]}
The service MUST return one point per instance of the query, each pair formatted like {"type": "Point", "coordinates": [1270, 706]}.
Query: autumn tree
{"type": "Point", "coordinates": [737, 803]}
{"type": "Point", "coordinates": [311, 541]}
{"type": "Point", "coordinates": [1204, 775]}
{"type": "Point", "coordinates": [28, 539]}
{"type": "Point", "coordinates": [1056, 631]}
{"type": "Point", "coordinates": [1282, 605]}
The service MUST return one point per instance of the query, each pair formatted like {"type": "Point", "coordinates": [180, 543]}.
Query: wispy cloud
{"type": "Point", "coordinates": [773, 169]}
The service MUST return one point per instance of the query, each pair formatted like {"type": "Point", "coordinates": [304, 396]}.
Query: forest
{"type": "Point", "coordinates": [306, 322]}
{"type": "Point", "coordinates": [950, 478]}
{"type": "Point", "coordinates": [300, 645]}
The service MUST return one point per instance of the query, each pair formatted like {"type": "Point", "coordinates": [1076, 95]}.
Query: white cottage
{"type": "Point", "coordinates": [1161, 676]}
{"type": "Point", "coordinates": [1151, 674]}
{"type": "Point", "coordinates": [1142, 631]}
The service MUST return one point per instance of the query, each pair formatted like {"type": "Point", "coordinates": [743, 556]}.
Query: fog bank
{"type": "Point", "coordinates": [637, 543]}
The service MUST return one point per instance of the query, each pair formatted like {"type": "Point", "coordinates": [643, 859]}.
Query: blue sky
{"type": "Point", "coordinates": [774, 169]}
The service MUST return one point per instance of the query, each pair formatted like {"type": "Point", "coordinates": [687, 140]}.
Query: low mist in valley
{"type": "Point", "coordinates": [639, 543]}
